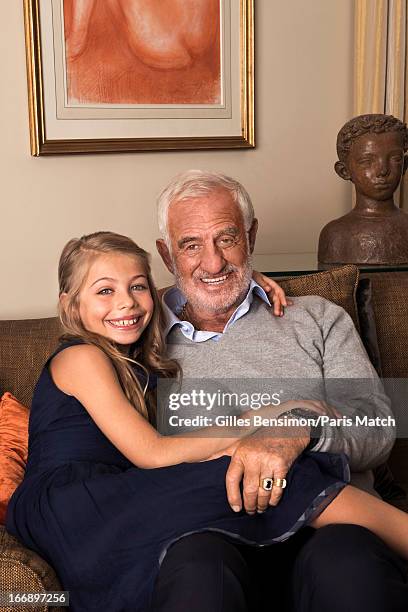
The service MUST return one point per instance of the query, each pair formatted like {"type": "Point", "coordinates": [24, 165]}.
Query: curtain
{"type": "Point", "coordinates": [380, 76]}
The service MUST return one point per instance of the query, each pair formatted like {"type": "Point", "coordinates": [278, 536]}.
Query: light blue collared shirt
{"type": "Point", "coordinates": [173, 302]}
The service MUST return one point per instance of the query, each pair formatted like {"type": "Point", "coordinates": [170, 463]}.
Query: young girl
{"type": "Point", "coordinates": [90, 502]}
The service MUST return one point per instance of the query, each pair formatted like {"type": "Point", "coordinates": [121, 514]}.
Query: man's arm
{"type": "Point", "coordinates": [353, 387]}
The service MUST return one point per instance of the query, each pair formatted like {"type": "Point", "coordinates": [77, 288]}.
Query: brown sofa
{"type": "Point", "coordinates": [24, 348]}
{"type": "Point", "coordinates": [26, 344]}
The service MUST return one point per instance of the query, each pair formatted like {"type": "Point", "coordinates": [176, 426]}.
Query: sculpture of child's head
{"type": "Point", "coordinates": [371, 150]}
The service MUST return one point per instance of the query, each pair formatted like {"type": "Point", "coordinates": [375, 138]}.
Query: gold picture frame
{"type": "Point", "coordinates": [58, 128]}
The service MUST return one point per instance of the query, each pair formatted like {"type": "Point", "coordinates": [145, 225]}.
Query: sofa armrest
{"type": "Point", "coordinates": [23, 570]}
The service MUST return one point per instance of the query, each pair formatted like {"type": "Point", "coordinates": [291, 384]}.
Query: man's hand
{"type": "Point", "coordinates": [266, 454]}
{"type": "Point", "coordinates": [257, 457]}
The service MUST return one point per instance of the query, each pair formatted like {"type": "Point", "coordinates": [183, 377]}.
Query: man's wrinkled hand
{"type": "Point", "coordinates": [257, 457]}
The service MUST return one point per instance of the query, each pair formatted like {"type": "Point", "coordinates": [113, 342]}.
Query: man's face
{"type": "Point", "coordinates": [210, 251]}
{"type": "Point", "coordinates": [376, 163]}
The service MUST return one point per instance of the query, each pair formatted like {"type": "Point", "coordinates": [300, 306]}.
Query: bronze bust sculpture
{"type": "Point", "coordinates": [371, 150]}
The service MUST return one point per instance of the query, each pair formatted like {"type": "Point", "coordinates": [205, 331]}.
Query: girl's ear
{"type": "Point", "coordinates": [63, 299]}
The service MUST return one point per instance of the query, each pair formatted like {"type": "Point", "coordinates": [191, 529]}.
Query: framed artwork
{"type": "Point", "coordinates": [139, 75]}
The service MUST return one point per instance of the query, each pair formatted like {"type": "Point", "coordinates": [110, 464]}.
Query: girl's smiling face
{"type": "Point", "coordinates": [115, 299]}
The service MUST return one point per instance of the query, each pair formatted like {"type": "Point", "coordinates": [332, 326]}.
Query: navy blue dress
{"type": "Point", "coordinates": [105, 525]}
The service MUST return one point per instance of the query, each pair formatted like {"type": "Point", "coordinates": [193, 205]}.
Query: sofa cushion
{"type": "Point", "coordinates": [389, 297]}
{"type": "Point", "coordinates": [337, 285]}
{"type": "Point", "coordinates": [23, 570]}
{"type": "Point", "coordinates": [13, 448]}
{"type": "Point", "coordinates": [24, 348]}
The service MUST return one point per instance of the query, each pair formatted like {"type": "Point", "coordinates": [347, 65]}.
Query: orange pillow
{"type": "Point", "coordinates": [13, 448]}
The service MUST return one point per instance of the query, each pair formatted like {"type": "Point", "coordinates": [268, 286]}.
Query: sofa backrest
{"type": "Point", "coordinates": [26, 344]}
{"type": "Point", "coordinates": [390, 306]}
{"type": "Point", "coordinates": [24, 348]}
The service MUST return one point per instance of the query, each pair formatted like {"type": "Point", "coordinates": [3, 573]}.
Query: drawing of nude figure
{"type": "Point", "coordinates": [143, 51]}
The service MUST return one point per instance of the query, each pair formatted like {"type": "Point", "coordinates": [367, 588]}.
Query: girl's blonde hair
{"type": "Point", "coordinates": [75, 261]}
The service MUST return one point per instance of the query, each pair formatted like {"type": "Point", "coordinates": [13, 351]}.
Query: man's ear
{"type": "Point", "coordinates": [342, 170]}
{"type": "Point", "coordinates": [165, 254]}
{"type": "Point", "coordinates": [252, 235]}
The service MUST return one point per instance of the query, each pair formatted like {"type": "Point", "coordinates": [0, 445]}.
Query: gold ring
{"type": "Point", "coordinates": [280, 482]}
{"type": "Point", "coordinates": [266, 484]}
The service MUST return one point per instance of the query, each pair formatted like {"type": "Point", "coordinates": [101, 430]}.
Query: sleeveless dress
{"type": "Point", "coordinates": [105, 525]}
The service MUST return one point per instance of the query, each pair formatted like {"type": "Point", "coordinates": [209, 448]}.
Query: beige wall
{"type": "Point", "coordinates": [303, 96]}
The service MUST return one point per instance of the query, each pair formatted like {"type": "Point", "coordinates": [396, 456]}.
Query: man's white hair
{"type": "Point", "coordinates": [196, 183]}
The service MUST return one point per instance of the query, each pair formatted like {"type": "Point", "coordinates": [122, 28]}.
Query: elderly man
{"type": "Point", "coordinates": [220, 326]}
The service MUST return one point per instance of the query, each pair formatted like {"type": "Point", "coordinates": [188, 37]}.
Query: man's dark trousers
{"type": "Point", "coordinates": [338, 568]}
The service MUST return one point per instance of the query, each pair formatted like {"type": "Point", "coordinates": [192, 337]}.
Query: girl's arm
{"type": "Point", "coordinates": [275, 293]}
{"type": "Point", "coordinates": [86, 373]}
{"type": "Point", "coordinates": [357, 507]}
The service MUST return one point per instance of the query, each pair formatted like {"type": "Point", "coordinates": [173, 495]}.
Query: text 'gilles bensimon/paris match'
{"type": "Point", "coordinates": [284, 421]}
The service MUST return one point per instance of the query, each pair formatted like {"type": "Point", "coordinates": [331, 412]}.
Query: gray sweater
{"type": "Point", "coordinates": [314, 344]}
